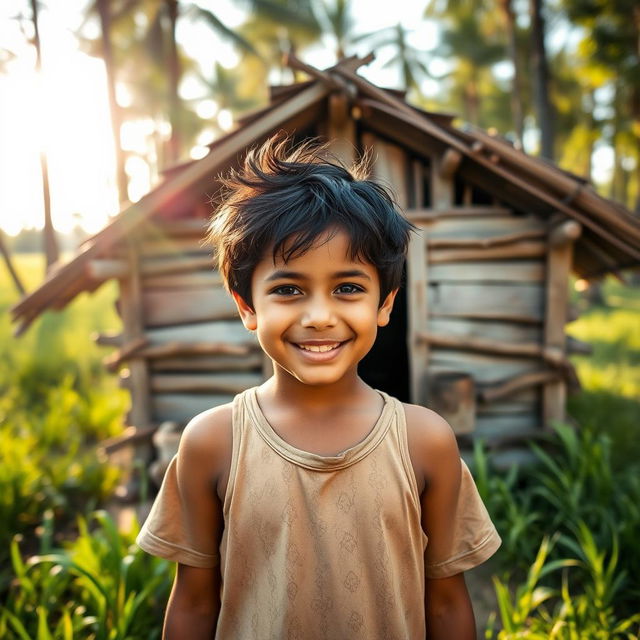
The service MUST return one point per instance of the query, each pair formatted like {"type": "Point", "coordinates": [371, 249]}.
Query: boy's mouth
{"type": "Point", "coordinates": [318, 347]}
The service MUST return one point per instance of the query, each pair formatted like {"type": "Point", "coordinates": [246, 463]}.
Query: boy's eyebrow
{"type": "Point", "coordinates": [283, 274]}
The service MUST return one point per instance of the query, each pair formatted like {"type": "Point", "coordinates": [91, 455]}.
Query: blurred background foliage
{"type": "Point", "coordinates": [559, 78]}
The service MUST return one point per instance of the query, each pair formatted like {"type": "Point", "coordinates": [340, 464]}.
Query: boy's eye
{"type": "Point", "coordinates": [286, 290]}
{"type": "Point", "coordinates": [349, 288]}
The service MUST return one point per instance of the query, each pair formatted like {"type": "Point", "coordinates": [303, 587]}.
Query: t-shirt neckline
{"type": "Point", "coordinates": [315, 461]}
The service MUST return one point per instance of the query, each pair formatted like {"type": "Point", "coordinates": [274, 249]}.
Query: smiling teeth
{"type": "Point", "coordinates": [320, 348]}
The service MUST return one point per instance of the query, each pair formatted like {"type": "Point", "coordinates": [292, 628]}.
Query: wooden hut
{"type": "Point", "coordinates": [478, 331]}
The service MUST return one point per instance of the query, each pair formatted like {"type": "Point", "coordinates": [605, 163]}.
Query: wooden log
{"type": "Point", "coordinates": [251, 361]}
{"type": "Point", "coordinates": [171, 349]}
{"type": "Point", "coordinates": [506, 252]}
{"type": "Point", "coordinates": [176, 264]}
{"type": "Point", "coordinates": [450, 162]}
{"type": "Point", "coordinates": [523, 401]}
{"type": "Point", "coordinates": [506, 388]}
{"type": "Point", "coordinates": [515, 299]}
{"type": "Point", "coordinates": [173, 246]}
{"type": "Point", "coordinates": [165, 307]}
{"type": "Point", "coordinates": [233, 383]}
{"type": "Point", "coordinates": [532, 271]}
{"type": "Point", "coordinates": [485, 368]}
{"type": "Point", "coordinates": [489, 316]}
{"type": "Point", "coordinates": [222, 331]}
{"type": "Point", "coordinates": [564, 233]}
{"type": "Point", "coordinates": [551, 355]}
{"type": "Point", "coordinates": [188, 279]}
{"type": "Point", "coordinates": [452, 395]}
{"type": "Point", "coordinates": [483, 243]}
{"type": "Point", "coordinates": [131, 436]}
{"type": "Point", "coordinates": [187, 227]}
{"type": "Point", "coordinates": [420, 214]}
{"type": "Point", "coordinates": [494, 330]}
{"type": "Point", "coordinates": [126, 352]}
{"type": "Point", "coordinates": [108, 339]}
{"type": "Point", "coordinates": [103, 269]}
{"type": "Point", "coordinates": [486, 226]}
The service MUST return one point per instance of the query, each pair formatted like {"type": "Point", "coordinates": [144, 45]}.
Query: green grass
{"type": "Point", "coordinates": [610, 398]}
{"type": "Point", "coordinates": [56, 404]}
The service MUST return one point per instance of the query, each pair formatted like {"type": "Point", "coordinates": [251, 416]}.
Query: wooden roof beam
{"type": "Point", "coordinates": [398, 109]}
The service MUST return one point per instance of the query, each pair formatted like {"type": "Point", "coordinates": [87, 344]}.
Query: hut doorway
{"type": "Point", "coordinates": [386, 366]}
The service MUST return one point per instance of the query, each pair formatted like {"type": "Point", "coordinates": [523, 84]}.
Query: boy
{"type": "Point", "coordinates": [314, 506]}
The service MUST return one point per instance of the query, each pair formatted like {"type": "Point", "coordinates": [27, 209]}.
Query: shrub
{"type": "Point", "coordinates": [101, 586]}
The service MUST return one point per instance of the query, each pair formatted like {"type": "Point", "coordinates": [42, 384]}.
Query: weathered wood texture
{"type": "Point", "coordinates": [190, 304]}
{"type": "Point", "coordinates": [181, 407]}
{"type": "Point", "coordinates": [556, 310]}
{"type": "Point", "coordinates": [132, 313]}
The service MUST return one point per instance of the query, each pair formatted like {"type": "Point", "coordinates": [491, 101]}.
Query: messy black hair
{"type": "Point", "coordinates": [286, 195]}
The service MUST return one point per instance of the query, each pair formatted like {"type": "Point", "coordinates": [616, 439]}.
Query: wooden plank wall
{"type": "Point", "coordinates": [196, 352]}
{"type": "Point", "coordinates": [479, 298]}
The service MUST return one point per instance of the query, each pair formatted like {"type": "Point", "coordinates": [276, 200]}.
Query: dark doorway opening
{"type": "Point", "coordinates": [386, 366]}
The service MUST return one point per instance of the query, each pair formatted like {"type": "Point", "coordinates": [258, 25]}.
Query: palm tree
{"type": "Point", "coordinates": [544, 109]}
{"type": "Point", "coordinates": [506, 6]}
{"type": "Point", "coordinates": [104, 10]}
{"type": "Point", "coordinates": [407, 59]}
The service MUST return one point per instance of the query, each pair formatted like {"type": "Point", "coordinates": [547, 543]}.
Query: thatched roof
{"type": "Point", "coordinates": [610, 239]}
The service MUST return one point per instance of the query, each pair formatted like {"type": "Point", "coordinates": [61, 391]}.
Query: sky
{"type": "Point", "coordinates": [65, 111]}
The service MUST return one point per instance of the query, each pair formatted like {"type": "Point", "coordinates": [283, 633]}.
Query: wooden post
{"type": "Point", "coordinates": [442, 180]}
{"type": "Point", "coordinates": [558, 269]}
{"type": "Point", "coordinates": [133, 329]}
{"type": "Point", "coordinates": [341, 129]}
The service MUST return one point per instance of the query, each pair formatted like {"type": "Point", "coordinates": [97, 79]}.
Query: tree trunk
{"type": "Point", "coordinates": [4, 250]}
{"type": "Point", "coordinates": [49, 235]}
{"type": "Point", "coordinates": [541, 80]}
{"type": "Point", "coordinates": [175, 141]}
{"type": "Point", "coordinates": [516, 91]}
{"type": "Point", "coordinates": [122, 182]}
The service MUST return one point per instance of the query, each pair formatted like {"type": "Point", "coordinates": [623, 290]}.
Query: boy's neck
{"type": "Point", "coordinates": [284, 388]}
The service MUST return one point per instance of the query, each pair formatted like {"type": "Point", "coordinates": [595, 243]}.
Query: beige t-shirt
{"type": "Point", "coordinates": [318, 547]}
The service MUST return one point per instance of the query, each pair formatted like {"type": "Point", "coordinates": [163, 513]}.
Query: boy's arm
{"type": "Point", "coordinates": [202, 472]}
{"type": "Point", "coordinates": [194, 604]}
{"type": "Point", "coordinates": [436, 462]}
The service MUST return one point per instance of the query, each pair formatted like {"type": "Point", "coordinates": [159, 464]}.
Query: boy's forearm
{"type": "Point", "coordinates": [448, 610]}
{"type": "Point", "coordinates": [194, 605]}
{"type": "Point", "coordinates": [180, 623]}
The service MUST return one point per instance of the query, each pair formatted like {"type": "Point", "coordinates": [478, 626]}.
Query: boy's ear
{"type": "Point", "coordinates": [247, 314]}
{"type": "Point", "coordinates": [384, 312]}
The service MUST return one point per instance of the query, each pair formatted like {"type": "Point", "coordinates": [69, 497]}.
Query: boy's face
{"type": "Point", "coordinates": [316, 315]}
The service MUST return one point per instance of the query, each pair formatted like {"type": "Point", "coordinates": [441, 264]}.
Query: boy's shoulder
{"type": "Point", "coordinates": [208, 436]}
{"type": "Point", "coordinates": [431, 440]}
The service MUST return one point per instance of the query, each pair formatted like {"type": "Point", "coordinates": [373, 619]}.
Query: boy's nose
{"type": "Point", "coordinates": [318, 314]}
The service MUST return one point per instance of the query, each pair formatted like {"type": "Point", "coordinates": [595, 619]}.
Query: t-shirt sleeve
{"type": "Point", "coordinates": [475, 538]}
{"type": "Point", "coordinates": [166, 533]}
